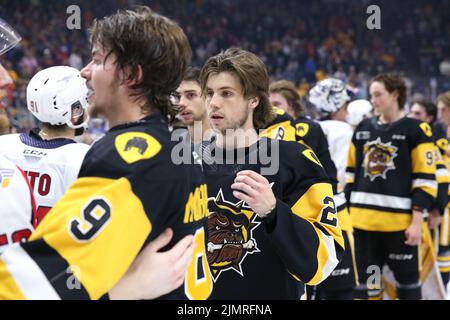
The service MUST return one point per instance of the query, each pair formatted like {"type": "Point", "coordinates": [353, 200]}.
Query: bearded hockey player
{"type": "Point", "coordinates": [267, 227]}
{"type": "Point", "coordinates": [128, 191]}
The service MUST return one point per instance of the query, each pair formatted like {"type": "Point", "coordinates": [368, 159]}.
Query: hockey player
{"type": "Point", "coordinates": [17, 204]}
{"type": "Point", "coordinates": [285, 97]}
{"type": "Point", "coordinates": [191, 104]}
{"type": "Point", "coordinates": [128, 190]}
{"type": "Point", "coordinates": [57, 97]}
{"type": "Point", "coordinates": [329, 96]}
{"type": "Point", "coordinates": [426, 111]}
{"type": "Point", "coordinates": [267, 226]}
{"type": "Point", "coordinates": [390, 184]}
{"type": "Point", "coordinates": [16, 198]}
{"type": "Point", "coordinates": [443, 105]}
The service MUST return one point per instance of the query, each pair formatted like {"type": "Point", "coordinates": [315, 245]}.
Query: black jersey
{"type": "Point", "coordinates": [442, 174]}
{"type": "Point", "coordinates": [391, 169]}
{"type": "Point", "coordinates": [255, 258]}
{"type": "Point", "coordinates": [127, 193]}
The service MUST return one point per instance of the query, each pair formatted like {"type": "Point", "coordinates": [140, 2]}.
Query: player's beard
{"type": "Point", "coordinates": [238, 124]}
{"type": "Point", "coordinates": [100, 110]}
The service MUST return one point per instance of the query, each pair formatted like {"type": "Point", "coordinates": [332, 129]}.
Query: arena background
{"type": "Point", "coordinates": [300, 40]}
{"type": "Point", "coordinates": [303, 41]}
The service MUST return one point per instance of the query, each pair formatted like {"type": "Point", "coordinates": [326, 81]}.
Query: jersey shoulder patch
{"type": "Point", "coordinates": [136, 146]}
{"type": "Point", "coordinates": [426, 129]}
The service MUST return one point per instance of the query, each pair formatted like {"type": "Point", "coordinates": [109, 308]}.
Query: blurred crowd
{"type": "Point", "coordinates": [302, 41]}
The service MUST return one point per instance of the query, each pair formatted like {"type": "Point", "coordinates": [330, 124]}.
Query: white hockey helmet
{"type": "Point", "coordinates": [329, 95]}
{"type": "Point", "coordinates": [53, 93]}
{"type": "Point", "coordinates": [357, 111]}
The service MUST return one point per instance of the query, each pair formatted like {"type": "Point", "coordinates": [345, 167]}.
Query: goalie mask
{"type": "Point", "coordinates": [329, 95]}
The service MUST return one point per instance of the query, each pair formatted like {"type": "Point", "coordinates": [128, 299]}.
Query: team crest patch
{"type": "Point", "coordinates": [302, 129]}
{"type": "Point", "coordinates": [136, 146]}
{"type": "Point", "coordinates": [378, 159]}
{"type": "Point", "coordinates": [5, 177]}
{"type": "Point", "coordinates": [230, 235]}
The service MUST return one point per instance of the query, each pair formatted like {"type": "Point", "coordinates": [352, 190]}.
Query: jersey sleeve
{"type": "Point", "coordinates": [424, 185]}
{"type": "Point", "coordinates": [317, 141]}
{"type": "Point", "coordinates": [304, 227]}
{"type": "Point", "coordinates": [92, 235]}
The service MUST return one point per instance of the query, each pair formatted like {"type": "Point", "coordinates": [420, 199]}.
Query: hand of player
{"type": "Point", "coordinates": [434, 219]}
{"type": "Point", "coordinates": [414, 232]}
{"type": "Point", "coordinates": [154, 273]}
{"type": "Point", "coordinates": [255, 190]}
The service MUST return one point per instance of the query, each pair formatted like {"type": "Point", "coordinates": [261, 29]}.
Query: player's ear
{"type": "Point", "coordinates": [137, 77]}
{"type": "Point", "coordinates": [395, 94]}
{"type": "Point", "coordinates": [253, 102]}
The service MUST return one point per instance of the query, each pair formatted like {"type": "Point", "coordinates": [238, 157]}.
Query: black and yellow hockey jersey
{"type": "Point", "coordinates": [442, 174]}
{"type": "Point", "coordinates": [441, 141]}
{"type": "Point", "coordinates": [309, 132]}
{"type": "Point", "coordinates": [391, 169]}
{"type": "Point", "coordinates": [127, 193]}
{"type": "Point", "coordinates": [303, 130]}
{"type": "Point", "coordinates": [281, 128]}
{"type": "Point", "coordinates": [254, 258]}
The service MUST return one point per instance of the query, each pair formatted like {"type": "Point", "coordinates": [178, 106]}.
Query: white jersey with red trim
{"type": "Point", "coordinates": [51, 165]}
{"type": "Point", "coordinates": [16, 205]}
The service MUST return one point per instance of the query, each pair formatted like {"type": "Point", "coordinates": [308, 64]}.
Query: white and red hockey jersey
{"type": "Point", "coordinates": [17, 205]}
{"type": "Point", "coordinates": [51, 165]}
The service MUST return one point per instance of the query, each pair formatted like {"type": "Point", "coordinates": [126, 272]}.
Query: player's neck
{"type": "Point", "coordinates": [240, 138]}
{"type": "Point", "coordinates": [61, 133]}
{"type": "Point", "coordinates": [391, 116]}
{"type": "Point", "coordinates": [128, 112]}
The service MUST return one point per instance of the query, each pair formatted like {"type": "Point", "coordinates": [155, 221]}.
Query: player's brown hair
{"type": "Point", "coordinates": [289, 92]}
{"type": "Point", "coordinates": [153, 42]}
{"type": "Point", "coordinates": [252, 74]}
{"type": "Point", "coordinates": [444, 98]}
{"type": "Point", "coordinates": [393, 83]}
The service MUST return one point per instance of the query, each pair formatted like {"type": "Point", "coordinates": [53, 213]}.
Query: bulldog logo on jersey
{"type": "Point", "coordinates": [135, 146]}
{"type": "Point", "coordinates": [378, 159]}
{"type": "Point", "coordinates": [230, 228]}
